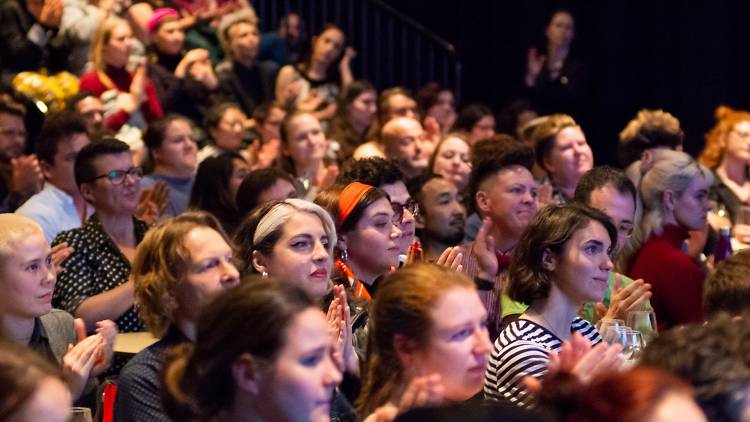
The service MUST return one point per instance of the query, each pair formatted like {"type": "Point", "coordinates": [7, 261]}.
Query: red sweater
{"type": "Point", "coordinates": [151, 108]}
{"type": "Point", "coordinates": [676, 280]}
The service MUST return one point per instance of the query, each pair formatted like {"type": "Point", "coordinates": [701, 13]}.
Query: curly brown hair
{"type": "Point", "coordinates": [716, 138]}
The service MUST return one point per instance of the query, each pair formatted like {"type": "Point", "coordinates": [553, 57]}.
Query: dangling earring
{"type": "Point", "coordinates": [344, 255]}
{"type": "Point", "coordinates": [264, 274]}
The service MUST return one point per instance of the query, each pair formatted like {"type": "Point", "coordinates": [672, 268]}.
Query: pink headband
{"type": "Point", "coordinates": [158, 16]}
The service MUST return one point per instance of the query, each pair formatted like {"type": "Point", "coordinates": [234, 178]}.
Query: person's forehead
{"type": "Point", "coordinates": [397, 191]}
{"type": "Point", "coordinates": [605, 196]}
{"type": "Point", "coordinates": [438, 186]}
{"type": "Point", "coordinates": [90, 103]}
{"type": "Point", "coordinates": [109, 162]}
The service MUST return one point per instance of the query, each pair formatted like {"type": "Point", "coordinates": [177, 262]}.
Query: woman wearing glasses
{"type": "Point", "coordinates": [94, 284]}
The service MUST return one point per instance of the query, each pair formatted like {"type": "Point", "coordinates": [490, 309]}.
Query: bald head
{"type": "Point", "coordinates": [13, 228]}
{"type": "Point", "coordinates": [403, 141]}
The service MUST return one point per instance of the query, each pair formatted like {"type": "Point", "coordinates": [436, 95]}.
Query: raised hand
{"type": "Point", "coordinates": [60, 253]}
{"type": "Point", "coordinates": [108, 331]}
{"type": "Point", "coordinates": [26, 175]}
{"type": "Point", "coordinates": [624, 300]}
{"type": "Point", "coordinates": [340, 329]}
{"type": "Point", "coordinates": [138, 84]}
{"type": "Point", "coordinates": [484, 250]}
{"type": "Point", "coordinates": [152, 203]}
{"type": "Point", "coordinates": [534, 66]}
{"type": "Point", "coordinates": [51, 13]}
{"type": "Point", "coordinates": [451, 258]}
{"type": "Point", "coordinates": [80, 359]}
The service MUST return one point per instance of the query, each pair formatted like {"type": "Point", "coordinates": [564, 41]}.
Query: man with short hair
{"type": "Point", "coordinates": [91, 109]}
{"type": "Point", "coordinates": [728, 288]}
{"type": "Point", "coordinates": [242, 78]}
{"type": "Point", "coordinates": [59, 206]}
{"type": "Point", "coordinates": [503, 192]}
{"type": "Point", "coordinates": [386, 175]}
{"type": "Point", "coordinates": [21, 174]}
{"type": "Point", "coordinates": [404, 143]}
{"type": "Point", "coordinates": [441, 217]}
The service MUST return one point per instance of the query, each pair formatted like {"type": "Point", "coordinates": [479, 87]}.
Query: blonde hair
{"type": "Point", "coordinates": [101, 39]}
{"type": "Point", "coordinates": [14, 227]}
{"type": "Point", "coordinates": [652, 120]}
{"type": "Point", "coordinates": [545, 132]}
{"type": "Point", "coordinates": [716, 139]}
{"type": "Point", "coordinates": [160, 265]}
{"type": "Point", "coordinates": [668, 170]}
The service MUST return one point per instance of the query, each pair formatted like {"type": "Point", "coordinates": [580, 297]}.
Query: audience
{"type": "Point", "coordinates": [428, 339]}
{"type": "Point", "coordinates": [727, 155]}
{"type": "Point", "coordinates": [179, 266]}
{"type": "Point", "coordinates": [561, 262]}
{"type": "Point", "coordinates": [263, 186]}
{"type": "Point", "coordinates": [674, 190]}
{"type": "Point", "coordinates": [563, 153]}
{"type": "Point", "coordinates": [173, 153]}
{"type": "Point", "coordinates": [215, 188]}
{"type": "Point", "coordinates": [21, 174]}
{"type": "Point", "coordinates": [430, 235]}
{"type": "Point", "coordinates": [95, 283]}
{"type": "Point", "coordinates": [280, 369]}
{"type": "Point", "coordinates": [60, 205]}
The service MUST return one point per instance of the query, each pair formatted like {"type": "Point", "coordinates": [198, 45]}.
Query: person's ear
{"type": "Point", "coordinates": [246, 373]}
{"type": "Point", "coordinates": [406, 350]}
{"type": "Point", "coordinates": [482, 201]}
{"type": "Point", "coordinates": [259, 262]}
{"type": "Point", "coordinates": [549, 261]}
{"type": "Point", "coordinates": [669, 199]}
{"type": "Point", "coordinates": [46, 169]}
{"type": "Point", "coordinates": [87, 192]}
{"type": "Point", "coordinates": [419, 219]}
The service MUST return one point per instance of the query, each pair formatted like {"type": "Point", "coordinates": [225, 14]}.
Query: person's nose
{"type": "Point", "coordinates": [482, 344]}
{"type": "Point", "coordinates": [320, 253]}
{"type": "Point", "coordinates": [331, 373]}
{"type": "Point", "coordinates": [230, 275]}
{"type": "Point", "coordinates": [395, 231]}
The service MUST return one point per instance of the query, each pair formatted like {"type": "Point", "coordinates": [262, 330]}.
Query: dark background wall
{"type": "Point", "coordinates": [686, 57]}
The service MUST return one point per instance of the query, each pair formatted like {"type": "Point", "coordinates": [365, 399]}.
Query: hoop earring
{"type": "Point", "coordinates": [344, 255]}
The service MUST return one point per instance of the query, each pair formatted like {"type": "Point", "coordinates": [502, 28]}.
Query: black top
{"type": "Point", "coordinates": [186, 96]}
{"type": "Point", "coordinates": [248, 87]}
{"type": "Point", "coordinates": [725, 197]}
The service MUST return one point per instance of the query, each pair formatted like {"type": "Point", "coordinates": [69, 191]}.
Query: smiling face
{"type": "Point", "coordinates": [299, 386]}
{"type": "Point", "coordinates": [306, 143]}
{"type": "Point", "coordinates": [210, 270]}
{"type": "Point", "coordinates": [692, 206]}
{"type": "Point", "coordinates": [372, 245]}
{"type": "Point", "coordinates": [327, 46]}
{"type": "Point", "coordinates": [27, 278]}
{"type": "Point", "coordinates": [509, 199]}
{"type": "Point", "coordinates": [570, 157]}
{"type": "Point", "coordinates": [581, 271]}
{"type": "Point", "coordinates": [178, 151]}
{"type": "Point", "coordinates": [302, 255]}
{"type": "Point", "coordinates": [105, 196]}
{"type": "Point", "coordinates": [117, 50]}
{"type": "Point", "coordinates": [459, 344]}
{"type": "Point", "coordinates": [453, 161]}
{"type": "Point", "coordinates": [170, 37]}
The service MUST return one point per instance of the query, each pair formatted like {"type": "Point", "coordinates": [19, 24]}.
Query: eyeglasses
{"type": "Point", "coordinates": [398, 210]}
{"type": "Point", "coordinates": [116, 177]}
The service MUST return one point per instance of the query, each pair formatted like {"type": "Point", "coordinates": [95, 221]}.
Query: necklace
{"type": "Point", "coordinates": [548, 325]}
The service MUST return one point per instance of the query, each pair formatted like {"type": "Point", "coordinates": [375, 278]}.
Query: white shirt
{"type": "Point", "coordinates": [53, 210]}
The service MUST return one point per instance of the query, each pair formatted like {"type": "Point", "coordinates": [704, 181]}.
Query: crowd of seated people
{"type": "Point", "coordinates": [300, 244]}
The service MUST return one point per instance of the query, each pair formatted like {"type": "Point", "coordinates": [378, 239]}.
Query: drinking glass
{"type": "Point", "coordinates": [81, 414]}
{"type": "Point", "coordinates": [632, 346]}
{"type": "Point", "coordinates": [610, 330]}
{"type": "Point", "coordinates": [645, 322]}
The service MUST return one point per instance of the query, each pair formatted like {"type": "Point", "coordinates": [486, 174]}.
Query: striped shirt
{"type": "Point", "coordinates": [522, 349]}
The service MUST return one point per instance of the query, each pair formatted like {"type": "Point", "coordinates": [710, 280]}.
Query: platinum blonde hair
{"type": "Point", "coordinates": [284, 211]}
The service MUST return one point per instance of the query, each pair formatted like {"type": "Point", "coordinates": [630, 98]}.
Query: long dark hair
{"type": "Point", "coordinates": [251, 318]}
{"type": "Point", "coordinates": [332, 73]}
{"type": "Point", "coordinates": [211, 189]}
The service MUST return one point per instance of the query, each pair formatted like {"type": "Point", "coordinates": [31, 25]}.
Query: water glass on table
{"type": "Point", "coordinates": [632, 346]}
{"type": "Point", "coordinates": [610, 330]}
{"type": "Point", "coordinates": [80, 414]}
{"type": "Point", "coordinates": [645, 322]}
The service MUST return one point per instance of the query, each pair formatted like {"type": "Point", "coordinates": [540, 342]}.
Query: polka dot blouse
{"type": "Point", "coordinates": [95, 266]}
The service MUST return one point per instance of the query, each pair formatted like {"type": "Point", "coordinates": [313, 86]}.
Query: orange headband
{"type": "Point", "coordinates": [349, 198]}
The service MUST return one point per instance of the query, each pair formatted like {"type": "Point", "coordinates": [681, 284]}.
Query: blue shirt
{"type": "Point", "coordinates": [179, 192]}
{"type": "Point", "coordinates": [53, 210]}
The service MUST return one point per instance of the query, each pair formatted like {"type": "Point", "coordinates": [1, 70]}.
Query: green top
{"type": "Point", "coordinates": [588, 310]}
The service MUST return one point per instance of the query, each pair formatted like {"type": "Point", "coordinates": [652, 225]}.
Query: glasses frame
{"type": "Point", "coordinates": [117, 177]}
{"type": "Point", "coordinates": [398, 210]}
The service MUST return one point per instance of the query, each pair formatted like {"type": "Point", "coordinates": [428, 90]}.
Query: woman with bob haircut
{"type": "Point", "coordinates": [428, 333]}
{"type": "Point", "coordinates": [727, 154]}
{"type": "Point", "coordinates": [180, 265]}
{"type": "Point", "coordinates": [674, 190]}
{"type": "Point", "coordinates": [279, 369]}
{"type": "Point", "coordinates": [215, 188]}
{"type": "Point", "coordinates": [561, 262]}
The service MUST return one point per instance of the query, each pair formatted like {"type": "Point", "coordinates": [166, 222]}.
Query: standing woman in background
{"type": "Point", "coordinates": [314, 84]}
